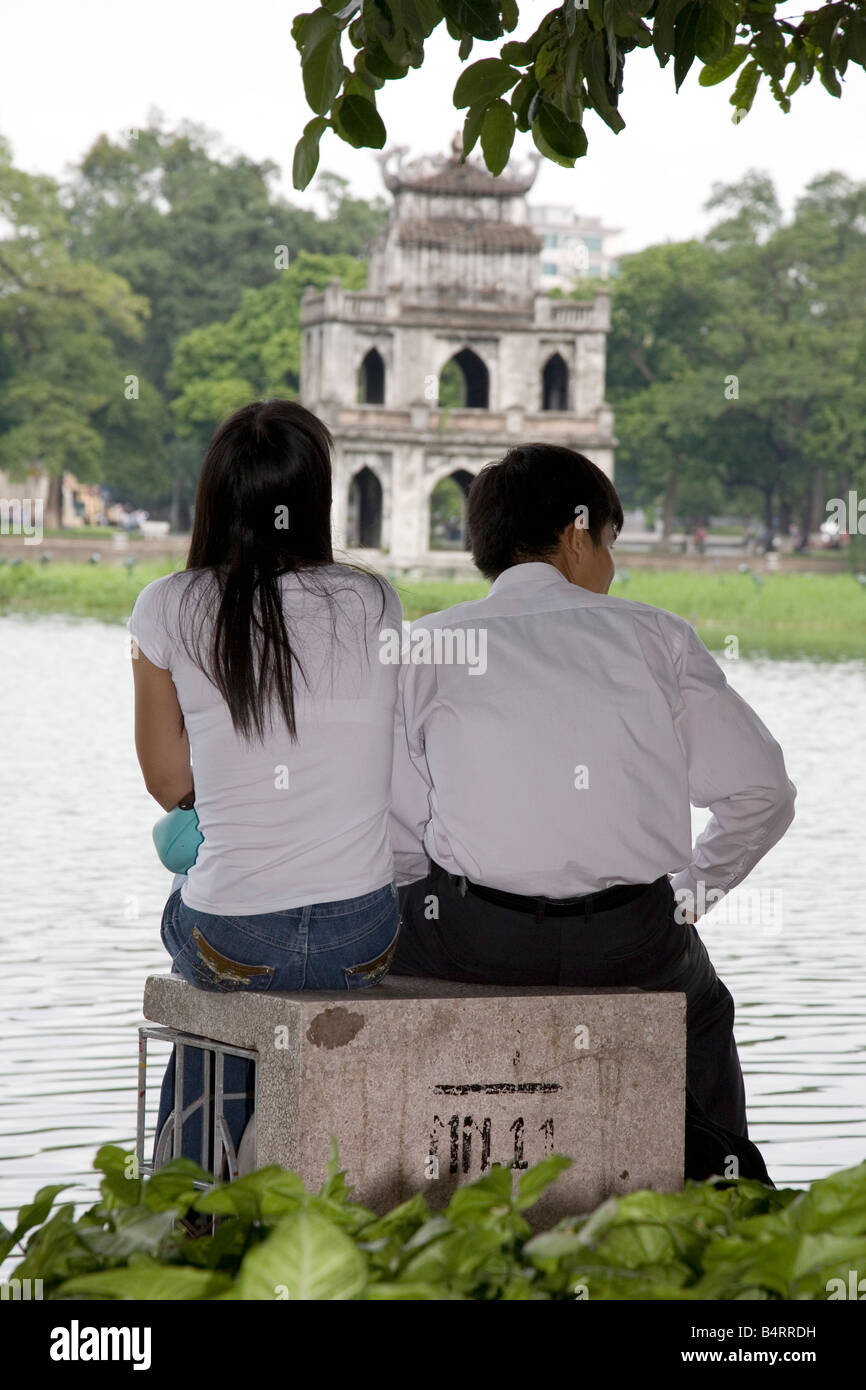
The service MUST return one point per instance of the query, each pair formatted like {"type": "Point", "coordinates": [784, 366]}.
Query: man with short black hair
{"type": "Point", "coordinates": [542, 801]}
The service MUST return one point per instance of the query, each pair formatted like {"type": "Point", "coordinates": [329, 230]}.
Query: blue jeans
{"type": "Point", "coordinates": [328, 946]}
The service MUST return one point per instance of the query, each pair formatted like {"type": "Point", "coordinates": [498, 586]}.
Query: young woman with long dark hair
{"type": "Point", "coordinates": [260, 695]}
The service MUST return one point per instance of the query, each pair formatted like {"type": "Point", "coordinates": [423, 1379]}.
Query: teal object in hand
{"type": "Point", "coordinates": [177, 838]}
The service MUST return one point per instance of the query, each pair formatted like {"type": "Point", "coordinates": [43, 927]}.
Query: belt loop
{"type": "Point", "coordinates": [539, 912]}
{"type": "Point", "coordinates": [461, 885]}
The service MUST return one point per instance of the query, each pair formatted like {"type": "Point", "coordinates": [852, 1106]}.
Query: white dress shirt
{"type": "Point", "coordinates": [568, 763]}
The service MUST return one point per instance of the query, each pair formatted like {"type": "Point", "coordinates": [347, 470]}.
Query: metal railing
{"type": "Point", "coordinates": [217, 1147]}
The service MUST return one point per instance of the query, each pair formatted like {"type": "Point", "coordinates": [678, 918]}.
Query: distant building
{"type": "Point", "coordinates": [452, 356]}
{"type": "Point", "coordinates": [572, 247]}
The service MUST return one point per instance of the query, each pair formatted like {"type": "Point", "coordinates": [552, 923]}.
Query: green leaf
{"type": "Point", "coordinates": [164, 1283]}
{"type": "Point", "coordinates": [173, 1185]}
{"type": "Point", "coordinates": [7, 1240]}
{"type": "Point", "coordinates": [484, 81]}
{"type": "Point", "coordinates": [304, 1257]}
{"type": "Point", "coordinates": [595, 69]}
{"type": "Point", "coordinates": [55, 1251]}
{"type": "Point", "coordinates": [434, 1229]}
{"type": "Point", "coordinates": [341, 9]}
{"type": "Point", "coordinates": [421, 16]}
{"type": "Point", "coordinates": [663, 27]}
{"type": "Point", "coordinates": [482, 1196]}
{"type": "Point", "coordinates": [717, 72]}
{"type": "Point", "coordinates": [403, 1221]}
{"type": "Point", "coordinates": [480, 18]}
{"type": "Point", "coordinates": [306, 157]}
{"type": "Point", "coordinates": [510, 15]}
{"type": "Point", "coordinates": [712, 34]}
{"type": "Point", "coordinates": [516, 53]}
{"type": "Point", "coordinates": [566, 137]}
{"type": "Point", "coordinates": [321, 61]}
{"type": "Point", "coordinates": [829, 79]}
{"type": "Point", "coordinates": [747, 85]}
{"type": "Point", "coordinates": [551, 1246]}
{"type": "Point", "coordinates": [35, 1212]}
{"type": "Point", "coordinates": [795, 81]}
{"type": "Point", "coordinates": [335, 1187]}
{"type": "Point", "coordinates": [497, 135]}
{"type": "Point", "coordinates": [836, 1203]}
{"type": "Point", "coordinates": [416, 1291]}
{"type": "Point", "coordinates": [521, 100]}
{"type": "Point", "coordinates": [472, 127]}
{"type": "Point", "coordinates": [359, 123]}
{"type": "Point", "coordinates": [685, 37]}
{"type": "Point", "coordinates": [854, 44]}
{"type": "Point", "coordinates": [267, 1191]}
{"type": "Point", "coordinates": [139, 1231]}
{"type": "Point", "coordinates": [381, 66]}
{"type": "Point", "coordinates": [545, 148]}
{"type": "Point", "coordinates": [361, 79]}
{"type": "Point", "coordinates": [538, 1178]}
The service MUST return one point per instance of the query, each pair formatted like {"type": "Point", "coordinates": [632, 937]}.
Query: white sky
{"type": "Point", "coordinates": [69, 72]}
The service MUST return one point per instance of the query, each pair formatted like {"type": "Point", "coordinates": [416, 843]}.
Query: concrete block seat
{"type": "Point", "coordinates": [426, 1083]}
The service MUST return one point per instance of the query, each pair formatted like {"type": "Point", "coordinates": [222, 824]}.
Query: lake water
{"type": "Point", "coordinates": [81, 893]}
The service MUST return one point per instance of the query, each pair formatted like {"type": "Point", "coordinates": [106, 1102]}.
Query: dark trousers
{"type": "Point", "coordinates": [449, 936]}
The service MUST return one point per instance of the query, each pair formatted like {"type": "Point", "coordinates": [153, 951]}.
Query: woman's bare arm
{"type": "Point", "coordinates": [160, 735]}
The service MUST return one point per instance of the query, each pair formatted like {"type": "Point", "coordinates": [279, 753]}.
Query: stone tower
{"type": "Point", "coordinates": [453, 284]}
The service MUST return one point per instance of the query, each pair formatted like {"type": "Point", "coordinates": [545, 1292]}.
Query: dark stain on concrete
{"type": "Point", "coordinates": [335, 1027]}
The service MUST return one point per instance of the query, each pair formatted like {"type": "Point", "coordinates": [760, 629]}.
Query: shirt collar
{"type": "Point", "coordinates": [535, 574]}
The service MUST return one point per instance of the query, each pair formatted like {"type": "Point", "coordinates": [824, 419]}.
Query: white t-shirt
{"type": "Point", "coordinates": [289, 823]}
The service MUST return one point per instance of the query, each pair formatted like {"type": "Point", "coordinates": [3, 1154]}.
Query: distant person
{"type": "Point", "coordinates": [259, 693]}
{"type": "Point", "coordinates": [700, 540]}
{"type": "Point", "coordinates": [767, 541]}
{"type": "Point", "coordinates": [542, 819]}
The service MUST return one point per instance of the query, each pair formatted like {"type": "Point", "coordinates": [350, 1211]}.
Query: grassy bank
{"type": "Point", "coordinates": [820, 616]}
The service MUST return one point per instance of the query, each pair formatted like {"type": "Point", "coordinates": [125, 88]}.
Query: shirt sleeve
{"type": "Point", "coordinates": [410, 791]}
{"type": "Point", "coordinates": [735, 767]}
{"type": "Point", "coordinates": [147, 628]}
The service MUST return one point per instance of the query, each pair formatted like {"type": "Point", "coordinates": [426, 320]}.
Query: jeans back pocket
{"type": "Point", "coordinates": [202, 965]}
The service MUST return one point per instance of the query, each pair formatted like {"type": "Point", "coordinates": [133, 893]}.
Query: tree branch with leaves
{"type": "Point", "coordinates": [574, 63]}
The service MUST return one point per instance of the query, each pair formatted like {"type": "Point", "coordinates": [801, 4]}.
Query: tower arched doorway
{"type": "Point", "coordinates": [448, 511]}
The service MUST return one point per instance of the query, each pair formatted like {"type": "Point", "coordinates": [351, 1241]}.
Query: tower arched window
{"type": "Point", "coordinates": [554, 383]}
{"type": "Point", "coordinates": [471, 377]}
{"type": "Point", "coordinates": [371, 379]}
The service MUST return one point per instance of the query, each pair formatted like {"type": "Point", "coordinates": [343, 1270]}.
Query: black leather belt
{"type": "Point", "coordinates": [539, 908]}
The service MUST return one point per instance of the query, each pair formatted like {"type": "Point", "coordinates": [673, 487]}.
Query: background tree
{"type": "Point", "coordinates": [736, 365]}
{"type": "Point", "coordinates": [62, 379]}
{"type": "Point", "coordinates": [192, 229]}
{"type": "Point", "coordinates": [257, 351]}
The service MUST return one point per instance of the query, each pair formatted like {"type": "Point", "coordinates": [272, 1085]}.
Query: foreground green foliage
{"type": "Point", "coordinates": [275, 1240]}
{"type": "Point", "coordinates": [817, 616]}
